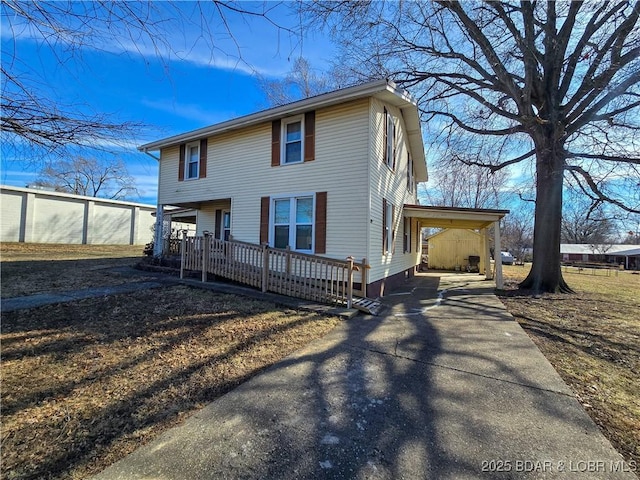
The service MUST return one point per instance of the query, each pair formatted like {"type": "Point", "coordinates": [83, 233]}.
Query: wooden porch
{"type": "Point", "coordinates": [300, 275]}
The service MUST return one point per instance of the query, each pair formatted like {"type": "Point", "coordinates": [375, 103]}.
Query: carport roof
{"type": "Point", "coordinates": [453, 217]}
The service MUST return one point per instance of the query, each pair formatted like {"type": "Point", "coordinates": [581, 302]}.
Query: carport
{"type": "Point", "coordinates": [464, 218]}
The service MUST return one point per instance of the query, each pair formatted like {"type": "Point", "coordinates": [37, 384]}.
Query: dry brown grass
{"type": "Point", "coordinates": [84, 383]}
{"type": "Point", "coordinates": [30, 268]}
{"type": "Point", "coordinates": [592, 338]}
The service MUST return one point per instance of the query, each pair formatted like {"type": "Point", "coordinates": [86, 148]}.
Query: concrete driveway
{"type": "Point", "coordinates": [445, 385]}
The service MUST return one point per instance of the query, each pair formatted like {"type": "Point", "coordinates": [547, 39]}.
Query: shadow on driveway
{"type": "Point", "coordinates": [445, 385]}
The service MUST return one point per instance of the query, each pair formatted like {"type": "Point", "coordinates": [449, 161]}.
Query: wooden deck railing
{"type": "Point", "coordinates": [286, 272]}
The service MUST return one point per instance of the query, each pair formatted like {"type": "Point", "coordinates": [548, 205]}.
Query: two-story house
{"type": "Point", "coordinates": [328, 175]}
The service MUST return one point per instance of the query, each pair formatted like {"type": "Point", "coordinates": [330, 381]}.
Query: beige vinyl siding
{"type": "Point", "coordinates": [207, 215]}
{"type": "Point", "coordinates": [239, 167]}
{"type": "Point", "coordinates": [168, 184]}
{"type": "Point", "coordinates": [451, 248]}
{"type": "Point", "coordinates": [392, 186]}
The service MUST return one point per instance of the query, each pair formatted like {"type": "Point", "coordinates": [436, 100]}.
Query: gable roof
{"type": "Point", "coordinates": [385, 90]}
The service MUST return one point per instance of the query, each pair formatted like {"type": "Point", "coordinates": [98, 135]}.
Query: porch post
{"type": "Point", "coordinates": [158, 238]}
{"type": "Point", "coordinates": [364, 276]}
{"type": "Point", "coordinates": [350, 283]}
{"type": "Point", "coordinates": [498, 257]}
{"type": "Point", "coordinates": [265, 267]}
{"type": "Point", "coordinates": [205, 253]}
{"type": "Point", "coordinates": [488, 272]}
{"type": "Point", "coordinates": [183, 252]}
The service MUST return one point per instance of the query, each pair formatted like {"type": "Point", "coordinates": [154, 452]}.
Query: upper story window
{"type": "Point", "coordinates": [193, 160]}
{"type": "Point", "coordinates": [389, 140]}
{"type": "Point", "coordinates": [411, 180]}
{"type": "Point", "coordinates": [292, 139]}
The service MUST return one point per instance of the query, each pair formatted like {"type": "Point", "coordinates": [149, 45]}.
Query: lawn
{"type": "Point", "coordinates": [85, 383]}
{"type": "Point", "coordinates": [592, 338]}
{"type": "Point", "coordinates": [31, 268]}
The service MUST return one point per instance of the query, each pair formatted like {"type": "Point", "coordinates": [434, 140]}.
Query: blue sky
{"type": "Point", "coordinates": [188, 88]}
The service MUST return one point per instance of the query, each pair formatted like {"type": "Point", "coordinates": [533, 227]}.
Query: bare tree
{"type": "Point", "coordinates": [586, 222]}
{"type": "Point", "coordinates": [552, 82]}
{"type": "Point", "coordinates": [517, 231]}
{"type": "Point", "coordinates": [301, 82]}
{"type": "Point", "coordinates": [31, 114]}
{"type": "Point", "coordinates": [89, 177]}
{"type": "Point", "coordinates": [462, 185]}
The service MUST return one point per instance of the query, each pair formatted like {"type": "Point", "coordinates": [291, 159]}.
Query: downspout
{"type": "Point", "coordinates": [145, 151]}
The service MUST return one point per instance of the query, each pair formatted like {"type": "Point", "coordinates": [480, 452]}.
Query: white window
{"type": "Point", "coordinates": [192, 164]}
{"type": "Point", "coordinates": [410, 174]}
{"type": "Point", "coordinates": [226, 225]}
{"type": "Point", "coordinates": [407, 235]}
{"type": "Point", "coordinates": [388, 233]}
{"type": "Point", "coordinates": [292, 140]}
{"type": "Point", "coordinates": [293, 223]}
{"type": "Point", "coordinates": [390, 140]}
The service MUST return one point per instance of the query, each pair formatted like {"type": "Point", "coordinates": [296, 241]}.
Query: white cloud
{"type": "Point", "coordinates": [252, 45]}
{"type": "Point", "coordinates": [195, 112]}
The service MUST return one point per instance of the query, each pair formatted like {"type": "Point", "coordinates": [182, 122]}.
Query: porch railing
{"type": "Point", "coordinates": [295, 274]}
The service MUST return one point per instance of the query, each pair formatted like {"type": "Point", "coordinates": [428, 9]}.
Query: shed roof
{"type": "Point", "coordinates": [385, 90]}
{"type": "Point", "coordinates": [453, 217]}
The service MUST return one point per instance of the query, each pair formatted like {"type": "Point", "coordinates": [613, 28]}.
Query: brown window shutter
{"type": "Point", "coordinates": [386, 136]}
{"type": "Point", "coordinates": [203, 159]}
{"type": "Point", "coordinates": [181, 164]}
{"type": "Point", "coordinates": [264, 219]}
{"type": "Point", "coordinates": [393, 229]}
{"type": "Point", "coordinates": [384, 225]}
{"type": "Point", "coordinates": [321, 222]}
{"type": "Point", "coordinates": [309, 136]}
{"type": "Point", "coordinates": [395, 146]}
{"type": "Point", "coordinates": [275, 143]}
{"type": "Point", "coordinates": [216, 228]}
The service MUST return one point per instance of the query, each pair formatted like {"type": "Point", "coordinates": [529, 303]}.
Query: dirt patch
{"type": "Point", "coordinates": [87, 382]}
{"type": "Point", "coordinates": [592, 338]}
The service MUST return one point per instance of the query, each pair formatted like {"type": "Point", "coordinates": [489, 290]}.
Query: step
{"type": "Point", "coordinates": [367, 305]}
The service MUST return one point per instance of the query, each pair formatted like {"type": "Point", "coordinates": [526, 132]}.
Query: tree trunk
{"type": "Point", "coordinates": [546, 273]}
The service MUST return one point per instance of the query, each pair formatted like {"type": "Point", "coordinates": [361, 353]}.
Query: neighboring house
{"type": "Point", "coordinates": [330, 175]}
{"type": "Point", "coordinates": [41, 216]}
{"type": "Point", "coordinates": [627, 255]}
{"type": "Point", "coordinates": [450, 249]}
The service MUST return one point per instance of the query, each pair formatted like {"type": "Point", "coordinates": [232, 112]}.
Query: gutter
{"type": "Point", "coordinates": [325, 99]}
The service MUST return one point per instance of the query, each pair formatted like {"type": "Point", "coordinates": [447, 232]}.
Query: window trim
{"type": "Point", "coordinates": [283, 138]}
{"type": "Point", "coordinates": [292, 220]}
{"type": "Point", "coordinates": [225, 211]}
{"type": "Point", "coordinates": [388, 235]}
{"type": "Point", "coordinates": [188, 162]}
{"type": "Point", "coordinates": [390, 140]}
{"type": "Point", "coordinates": [411, 178]}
